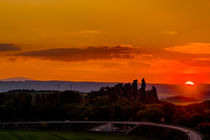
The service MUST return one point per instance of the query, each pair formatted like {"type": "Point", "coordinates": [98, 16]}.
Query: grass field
{"type": "Point", "coordinates": [56, 135]}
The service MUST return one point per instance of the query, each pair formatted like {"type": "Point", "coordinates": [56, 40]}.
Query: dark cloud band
{"type": "Point", "coordinates": [8, 47]}
{"type": "Point", "coordinates": [84, 54]}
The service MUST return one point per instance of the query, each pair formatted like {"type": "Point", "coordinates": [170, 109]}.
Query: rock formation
{"type": "Point", "coordinates": [131, 92]}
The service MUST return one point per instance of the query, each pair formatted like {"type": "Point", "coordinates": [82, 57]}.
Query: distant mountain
{"type": "Point", "coordinates": [164, 90]}
{"type": "Point", "coordinates": [16, 79]}
{"type": "Point", "coordinates": [180, 99]}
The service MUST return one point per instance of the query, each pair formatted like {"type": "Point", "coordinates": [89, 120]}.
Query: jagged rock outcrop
{"type": "Point", "coordinates": [131, 92]}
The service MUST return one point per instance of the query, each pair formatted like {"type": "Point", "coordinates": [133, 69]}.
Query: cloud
{"type": "Point", "coordinates": [191, 48]}
{"type": "Point", "coordinates": [85, 54]}
{"type": "Point", "coordinates": [170, 32]}
{"type": "Point", "coordinates": [86, 33]}
{"type": "Point", "coordinates": [90, 32]}
{"type": "Point", "coordinates": [199, 62]}
{"type": "Point", "coordinates": [8, 47]}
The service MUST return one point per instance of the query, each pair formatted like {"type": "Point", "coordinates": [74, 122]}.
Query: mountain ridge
{"type": "Point", "coordinates": [17, 79]}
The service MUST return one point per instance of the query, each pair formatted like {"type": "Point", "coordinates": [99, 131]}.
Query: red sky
{"type": "Point", "coordinates": [108, 41]}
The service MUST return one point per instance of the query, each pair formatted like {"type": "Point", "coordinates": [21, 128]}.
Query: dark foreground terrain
{"type": "Point", "coordinates": [123, 102]}
{"type": "Point", "coordinates": [56, 135]}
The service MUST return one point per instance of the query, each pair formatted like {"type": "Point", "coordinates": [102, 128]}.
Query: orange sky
{"type": "Point", "coordinates": [165, 41]}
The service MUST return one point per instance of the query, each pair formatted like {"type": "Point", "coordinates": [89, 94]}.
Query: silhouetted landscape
{"type": "Point", "coordinates": [122, 102]}
{"type": "Point", "coordinates": [164, 90]}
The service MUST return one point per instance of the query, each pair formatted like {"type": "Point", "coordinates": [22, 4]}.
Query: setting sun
{"type": "Point", "coordinates": [189, 83]}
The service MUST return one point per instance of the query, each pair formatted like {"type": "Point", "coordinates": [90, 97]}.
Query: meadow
{"type": "Point", "coordinates": [57, 135]}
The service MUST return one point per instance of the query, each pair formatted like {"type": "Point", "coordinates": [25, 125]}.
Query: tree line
{"type": "Point", "coordinates": [118, 103]}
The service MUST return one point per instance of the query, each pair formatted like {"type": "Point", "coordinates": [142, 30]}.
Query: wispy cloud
{"type": "Point", "coordinates": [191, 48]}
{"type": "Point", "coordinates": [199, 63]}
{"type": "Point", "coordinates": [8, 47]}
{"type": "Point", "coordinates": [170, 32]}
{"type": "Point", "coordinates": [86, 33]}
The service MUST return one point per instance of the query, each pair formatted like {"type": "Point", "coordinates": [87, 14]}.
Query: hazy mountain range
{"type": "Point", "coordinates": [17, 79]}
{"type": "Point", "coordinates": [164, 90]}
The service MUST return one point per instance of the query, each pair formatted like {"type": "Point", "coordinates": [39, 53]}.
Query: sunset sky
{"type": "Point", "coordinates": [165, 41]}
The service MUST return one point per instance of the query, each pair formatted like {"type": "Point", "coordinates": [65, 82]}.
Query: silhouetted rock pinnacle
{"type": "Point", "coordinates": [131, 92]}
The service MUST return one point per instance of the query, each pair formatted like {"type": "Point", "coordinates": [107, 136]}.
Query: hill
{"type": "Point", "coordinates": [180, 99]}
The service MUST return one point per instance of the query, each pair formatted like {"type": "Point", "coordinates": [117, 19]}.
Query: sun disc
{"type": "Point", "coordinates": [189, 83]}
